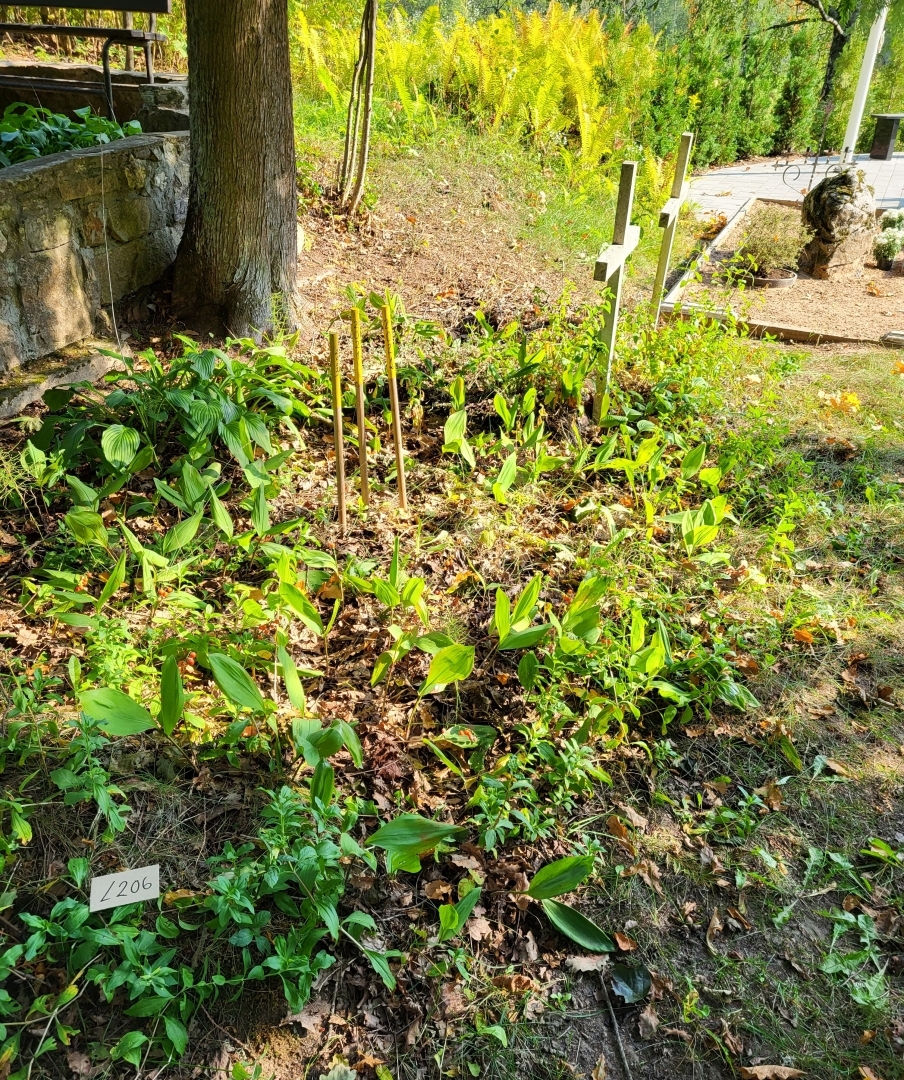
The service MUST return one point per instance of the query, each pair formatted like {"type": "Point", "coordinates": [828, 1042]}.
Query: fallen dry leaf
{"type": "Point", "coordinates": [637, 820]}
{"type": "Point", "coordinates": [436, 890]}
{"type": "Point", "coordinates": [648, 872]}
{"type": "Point", "coordinates": [599, 1070]}
{"type": "Point", "coordinates": [466, 862]}
{"type": "Point", "coordinates": [311, 1017]}
{"type": "Point", "coordinates": [738, 918]}
{"type": "Point", "coordinates": [617, 828]}
{"type": "Point", "coordinates": [479, 928]}
{"type": "Point", "coordinates": [586, 963]}
{"type": "Point", "coordinates": [514, 984]}
{"type": "Point", "coordinates": [648, 1023]}
{"type": "Point", "coordinates": [867, 1073]}
{"type": "Point", "coordinates": [660, 986]}
{"type": "Point", "coordinates": [770, 1072]}
{"type": "Point", "coordinates": [181, 894]}
{"type": "Point", "coordinates": [800, 634]}
{"type": "Point", "coordinates": [80, 1064]}
{"type": "Point", "coordinates": [771, 794]}
{"type": "Point", "coordinates": [715, 927]}
{"type": "Point", "coordinates": [679, 1033]}
{"type": "Point", "coordinates": [836, 767]}
{"type": "Point", "coordinates": [625, 943]}
{"type": "Point", "coordinates": [732, 1042]}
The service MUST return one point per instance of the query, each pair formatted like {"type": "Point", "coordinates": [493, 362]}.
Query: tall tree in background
{"type": "Point", "coordinates": [236, 267]}
{"type": "Point", "coordinates": [842, 17]}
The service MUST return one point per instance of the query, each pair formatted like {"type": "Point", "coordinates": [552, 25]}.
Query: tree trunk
{"type": "Point", "coordinates": [841, 34]}
{"type": "Point", "coordinates": [128, 23]}
{"type": "Point", "coordinates": [836, 48]}
{"type": "Point", "coordinates": [368, 105]}
{"type": "Point", "coordinates": [236, 267]}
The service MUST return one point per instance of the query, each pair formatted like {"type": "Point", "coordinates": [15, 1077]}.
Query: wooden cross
{"type": "Point", "coordinates": [668, 219]}
{"type": "Point", "coordinates": [609, 265]}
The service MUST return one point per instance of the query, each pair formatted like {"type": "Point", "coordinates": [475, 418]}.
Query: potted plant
{"type": "Point", "coordinates": [886, 246]}
{"type": "Point", "coordinates": [892, 219]}
{"type": "Point", "coordinates": [771, 246]}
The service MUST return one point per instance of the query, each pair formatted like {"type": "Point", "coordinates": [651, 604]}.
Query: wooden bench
{"type": "Point", "coordinates": [114, 35]}
{"type": "Point", "coordinates": [885, 135]}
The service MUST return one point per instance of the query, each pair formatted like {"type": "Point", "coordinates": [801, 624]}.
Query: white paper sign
{"type": "Point", "coordinates": [128, 887]}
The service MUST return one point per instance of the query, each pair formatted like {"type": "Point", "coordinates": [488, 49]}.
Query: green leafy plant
{"type": "Point", "coordinates": [888, 243]}
{"type": "Point", "coordinates": [28, 132]}
{"type": "Point", "coordinates": [455, 439]}
{"type": "Point", "coordinates": [406, 838]}
{"type": "Point", "coordinates": [772, 239]}
{"type": "Point", "coordinates": [564, 876]}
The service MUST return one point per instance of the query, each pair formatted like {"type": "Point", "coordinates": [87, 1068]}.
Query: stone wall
{"type": "Point", "coordinates": [60, 267]}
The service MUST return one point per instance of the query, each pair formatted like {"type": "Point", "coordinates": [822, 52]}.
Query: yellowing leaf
{"type": "Point", "coordinates": [770, 1072]}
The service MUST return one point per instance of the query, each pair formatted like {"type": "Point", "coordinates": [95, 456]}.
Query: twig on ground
{"type": "Point", "coordinates": [229, 1035]}
{"type": "Point", "coordinates": [621, 1049]}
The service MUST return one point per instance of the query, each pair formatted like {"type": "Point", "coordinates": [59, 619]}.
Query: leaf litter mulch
{"type": "Point", "coordinates": [722, 973]}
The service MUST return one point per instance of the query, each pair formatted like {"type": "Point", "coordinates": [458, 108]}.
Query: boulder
{"type": "Point", "coordinates": [841, 211]}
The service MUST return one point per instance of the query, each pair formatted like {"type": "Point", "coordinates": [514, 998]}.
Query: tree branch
{"type": "Point", "coordinates": [826, 17]}
{"type": "Point", "coordinates": [782, 25]}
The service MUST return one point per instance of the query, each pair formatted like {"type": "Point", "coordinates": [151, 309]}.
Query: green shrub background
{"type": "Point", "coordinates": [586, 85]}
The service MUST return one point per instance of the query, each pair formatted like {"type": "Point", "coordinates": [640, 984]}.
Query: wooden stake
{"type": "Point", "coordinates": [338, 440]}
{"type": "Point", "coordinates": [394, 404]}
{"type": "Point", "coordinates": [609, 265]}
{"type": "Point", "coordinates": [668, 219]}
{"type": "Point", "coordinates": [359, 402]}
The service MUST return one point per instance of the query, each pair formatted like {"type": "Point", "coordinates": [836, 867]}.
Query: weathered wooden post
{"type": "Point", "coordinates": [338, 439]}
{"type": "Point", "coordinates": [128, 23]}
{"type": "Point", "coordinates": [359, 404]}
{"type": "Point", "coordinates": [668, 219]}
{"type": "Point", "coordinates": [609, 265]}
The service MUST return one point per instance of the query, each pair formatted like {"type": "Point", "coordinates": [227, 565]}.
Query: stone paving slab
{"type": "Point", "coordinates": [723, 191]}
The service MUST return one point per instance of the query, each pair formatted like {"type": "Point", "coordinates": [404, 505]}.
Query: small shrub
{"type": "Point", "coordinates": [27, 132]}
{"type": "Point", "coordinates": [774, 239]}
{"type": "Point", "coordinates": [892, 219]}
{"type": "Point", "coordinates": [888, 243]}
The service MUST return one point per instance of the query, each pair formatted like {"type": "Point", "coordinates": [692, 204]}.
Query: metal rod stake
{"type": "Point", "coordinates": [359, 403]}
{"type": "Point", "coordinates": [394, 404]}
{"type": "Point", "coordinates": [338, 440]}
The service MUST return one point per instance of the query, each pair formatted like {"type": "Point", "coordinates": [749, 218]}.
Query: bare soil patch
{"type": "Point", "coordinates": [447, 246]}
{"type": "Point", "coordinates": [864, 310]}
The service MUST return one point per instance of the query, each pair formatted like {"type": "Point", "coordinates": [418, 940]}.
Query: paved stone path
{"type": "Point", "coordinates": [726, 190]}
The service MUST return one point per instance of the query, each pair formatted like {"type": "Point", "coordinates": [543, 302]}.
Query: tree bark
{"type": "Point", "coordinates": [128, 24]}
{"type": "Point", "coordinates": [842, 28]}
{"type": "Point", "coordinates": [368, 105]}
{"type": "Point", "coordinates": [236, 267]}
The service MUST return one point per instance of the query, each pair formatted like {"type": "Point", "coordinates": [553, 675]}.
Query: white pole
{"type": "Point", "coordinates": [873, 45]}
